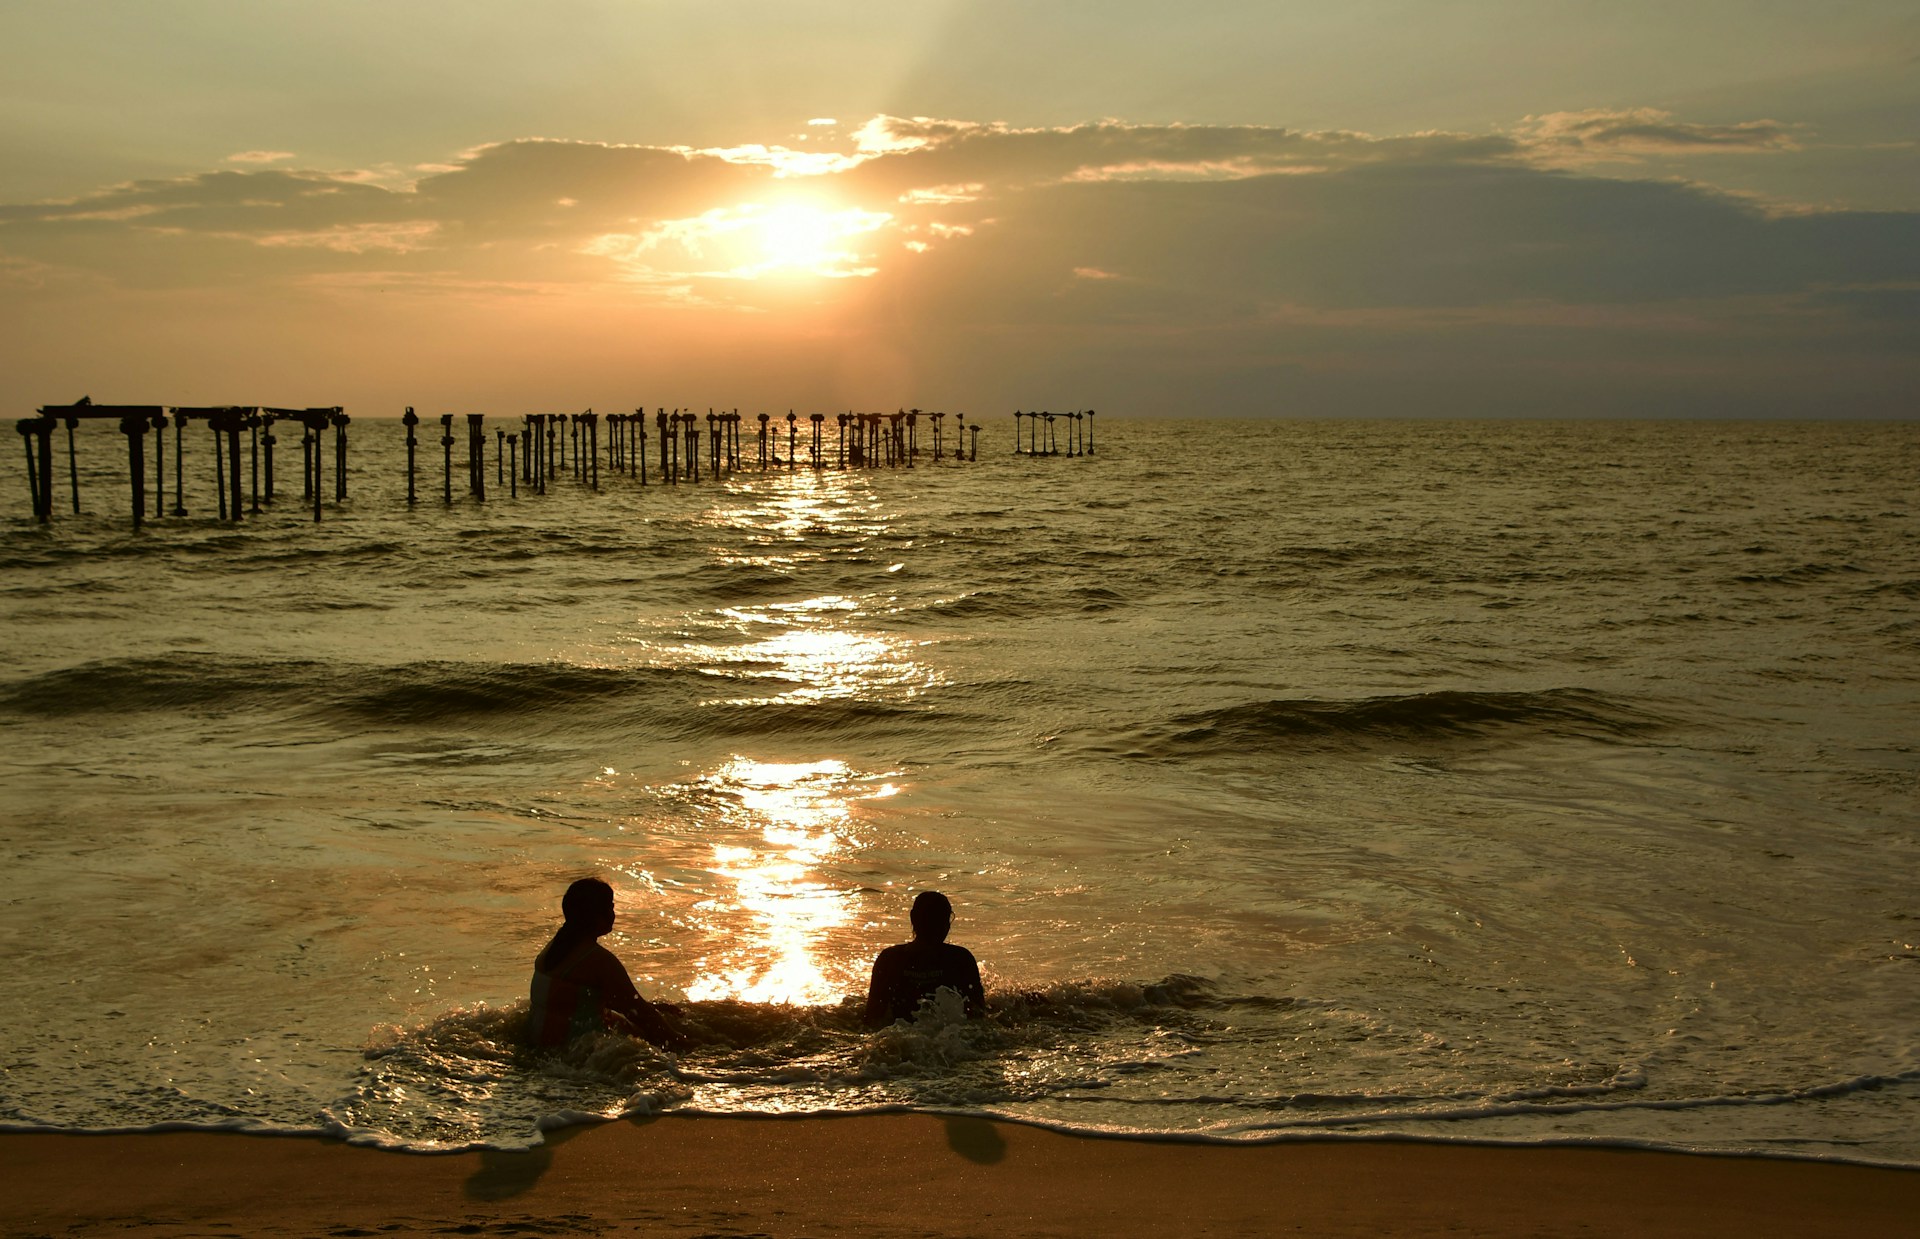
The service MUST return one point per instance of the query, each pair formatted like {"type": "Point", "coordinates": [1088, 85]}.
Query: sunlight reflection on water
{"type": "Point", "coordinates": [783, 903]}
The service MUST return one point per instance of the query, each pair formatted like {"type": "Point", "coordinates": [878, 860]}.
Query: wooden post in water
{"type": "Point", "coordinates": [46, 468]}
{"type": "Point", "coordinates": [975, 453]}
{"type": "Point", "coordinates": [73, 467]}
{"type": "Point", "coordinates": [477, 456]}
{"type": "Point", "coordinates": [35, 433]}
{"type": "Point", "coordinates": [307, 474]}
{"type": "Point", "coordinates": [231, 423]}
{"type": "Point", "coordinates": [1089, 432]}
{"type": "Point", "coordinates": [640, 443]}
{"type": "Point", "coordinates": [253, 440]}
{"type": "Point", "coordinates": [159, 464]}
{"type": "Point", "coordinates": [134, 426]}
{"type": "Point", "coordinates": [318, 421]}
{"type": "Point", "coordinates": [593, 444]}
{"type": "Point", "coordinates": [409, 419]}
{"type": "Point", "coordinates": [499, 456]}
{"type": "Point", "coordinates": [513, 465]}
{"type": "Point", "coordinates": [25, 427]}
{"type": "Point", "coordinates": [219, 469]}
{"type": "Point", "coordinates": [446, 445]}
{"type": "Point", "coordinates": [792, 438]}
{"type": "Point", "coordinates": [179, 458]}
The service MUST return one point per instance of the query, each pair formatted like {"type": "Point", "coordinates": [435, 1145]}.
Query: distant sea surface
{"type": "Point", "coordinates": [1529, 782]}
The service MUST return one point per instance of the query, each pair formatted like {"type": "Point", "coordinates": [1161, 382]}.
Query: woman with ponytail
{"type": "Point", "coordinates": [580, 986]}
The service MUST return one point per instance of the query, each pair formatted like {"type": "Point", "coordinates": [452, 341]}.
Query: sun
{"type": "Point", "coordinates": [758, 240]}
{"type": "Point", "coordinates": [801, 238]}
{"type": "Point", "coordinates": [798, 237]}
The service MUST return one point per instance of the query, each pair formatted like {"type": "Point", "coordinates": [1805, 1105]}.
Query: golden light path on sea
{"type": "Point", "coordinates": [770, 837]}
{"type": "Point", "coordinates": [780, 906]}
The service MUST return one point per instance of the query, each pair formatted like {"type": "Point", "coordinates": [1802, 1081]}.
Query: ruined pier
{"type": "Point", "coordinates": [534, 452]}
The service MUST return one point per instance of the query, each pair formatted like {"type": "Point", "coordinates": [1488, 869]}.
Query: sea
{"type": "Point", "coordinates": [1535, 782]}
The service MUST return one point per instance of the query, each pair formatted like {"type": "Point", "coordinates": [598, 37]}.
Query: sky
{"type": "Point", "coordinates": [1447, 208]}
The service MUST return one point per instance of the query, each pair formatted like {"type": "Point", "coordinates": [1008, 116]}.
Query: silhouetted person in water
{"type": "Point", "coordinates": [906, 975]}
{"type": "Point", "coordinates": [580, 986]}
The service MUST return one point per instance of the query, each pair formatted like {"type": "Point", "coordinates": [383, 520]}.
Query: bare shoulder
{"type": "Point", "coordinates": [598, 962]}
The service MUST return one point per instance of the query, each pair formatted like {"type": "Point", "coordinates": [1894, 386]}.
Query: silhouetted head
{"type": "Point", "coordinates": [932, 916]}
{"type": "Point", "coordinates": [587, 904]}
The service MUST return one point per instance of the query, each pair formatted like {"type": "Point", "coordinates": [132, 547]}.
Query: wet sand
{"type": "Point", "coordinates": [888, 1175]}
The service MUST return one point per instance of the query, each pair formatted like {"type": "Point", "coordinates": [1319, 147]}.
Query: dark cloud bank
{"type": "Point", "coordinates": [1156, 269]}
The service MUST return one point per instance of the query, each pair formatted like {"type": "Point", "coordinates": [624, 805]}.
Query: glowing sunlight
{"type": "Point", "coordinates": [801, 814]}
{"type": "Point", "coordinates": [750, 242]}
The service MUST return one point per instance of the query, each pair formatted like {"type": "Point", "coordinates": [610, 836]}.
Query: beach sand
{"type": "Point", "coordinates": [888, 1175]}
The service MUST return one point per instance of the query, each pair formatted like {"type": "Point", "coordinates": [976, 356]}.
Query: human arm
{"type": "Point", "coordinates": [621, 1004]}
{"type": "Point", "coordinates": [879, 1011]}
{"type": "Point", "coordinates": [971, 987]}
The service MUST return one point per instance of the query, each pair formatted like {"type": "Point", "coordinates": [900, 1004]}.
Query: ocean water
{"type": "Point", "coordinates": [1524, 782]}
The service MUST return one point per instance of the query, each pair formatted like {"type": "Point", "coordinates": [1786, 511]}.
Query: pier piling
{"type": "Point", "coordinates": [160, 464]}
{"type": "Point", "coordinates": [446, 444]}
{"type": "Point", "coordinates": [862, 440]}
{"type": "Point", "coordinates": [409, 419]}
{"type": "Point", "coordinates": [135, 428]}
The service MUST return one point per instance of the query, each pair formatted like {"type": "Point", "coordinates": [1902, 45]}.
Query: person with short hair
{"type": "Point", "coordinates": [906, 975]}
{"type": "Point", "coordinates": [580, 986]}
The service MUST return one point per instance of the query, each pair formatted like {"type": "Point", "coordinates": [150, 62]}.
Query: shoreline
{"type": "Point", "coordinates": [920, 1174]}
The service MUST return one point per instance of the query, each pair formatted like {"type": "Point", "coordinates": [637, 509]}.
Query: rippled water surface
{"type": "Point", "coordinates": [1500, 781]}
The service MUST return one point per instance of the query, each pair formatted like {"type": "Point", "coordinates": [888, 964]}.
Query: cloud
{"type": "Point", "coordinates": [1600, 134]}
{"type": "Point", "coordinates": [259, 156]}
{"type": "Point", "coordinates": [988, 254]}
{"type": "Point", "coordinates": [1199, 215]}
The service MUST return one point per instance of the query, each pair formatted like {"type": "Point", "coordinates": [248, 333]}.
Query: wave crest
{"type": "Point", "coordinates": [1417, 718]}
